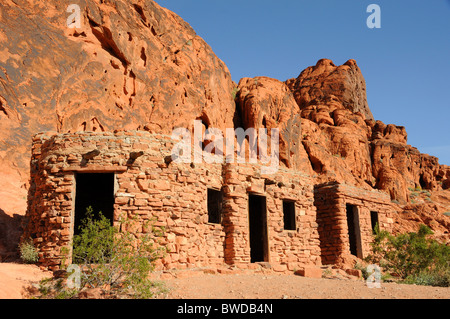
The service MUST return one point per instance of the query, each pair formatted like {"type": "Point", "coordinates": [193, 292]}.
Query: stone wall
{"type": "Point", "coordinates": [175, 194]}
{"type": "Point", "coordinates": [331, 200]}
{"type": "Point", "coordinates": [149, 186]}
{"type": "Point", "coordinates": [287, 249]}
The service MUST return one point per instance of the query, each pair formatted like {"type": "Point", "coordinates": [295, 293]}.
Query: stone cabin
{"type": "Point", "coordinates": [347, 217]}
{"type": "Point", "coordinates": [213, 214]}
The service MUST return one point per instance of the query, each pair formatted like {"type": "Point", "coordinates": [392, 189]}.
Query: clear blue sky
{"type": "Point", "coordinates": [406, 63]}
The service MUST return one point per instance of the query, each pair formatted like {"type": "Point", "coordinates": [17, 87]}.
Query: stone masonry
{"type": "Point", "coordinates": [332, 201]}
{"type": "Point", "coordinates": [148, 185]}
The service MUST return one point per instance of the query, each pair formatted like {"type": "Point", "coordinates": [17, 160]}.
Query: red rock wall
{"type": "Point", "coordinates": [138, 66]}
{"type": "Point", "coordinates": [129, 66]}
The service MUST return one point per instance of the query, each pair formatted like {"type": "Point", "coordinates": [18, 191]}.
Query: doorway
{"type": "Point", "coordinates": [94, 190]}
{"type": "Point", "coordinates": [257, 210]}
{"type": "Point", "coordinates": [354, 232]}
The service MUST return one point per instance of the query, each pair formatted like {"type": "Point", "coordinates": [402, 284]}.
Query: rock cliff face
{"type": "Point", "coordinates": [341, 141]}
{"type": "Point", "coordinates": [325, 81]}
{"type": "Point", "coordinates": [131, 65]}
{"type": "Point", "coordinates": [135, 65]}
{"type": "Point", "coordinates": [268, 103]}
{"type": "Point", "coordinates": [344, 142]}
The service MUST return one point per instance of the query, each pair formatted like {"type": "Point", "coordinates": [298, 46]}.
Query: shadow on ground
{"type": "Point", "coordinates": [10, 231]}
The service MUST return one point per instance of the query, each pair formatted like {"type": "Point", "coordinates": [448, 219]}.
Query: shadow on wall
{"type": "Point", "coordinates": [10, 231]}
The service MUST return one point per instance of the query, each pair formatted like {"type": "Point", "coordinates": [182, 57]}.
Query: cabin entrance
{"type": "Point", "coordinates": [94, 190]}
{"type": "Point", "coordinates": [259, 247]}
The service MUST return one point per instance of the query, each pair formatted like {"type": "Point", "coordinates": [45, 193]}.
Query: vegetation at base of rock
{"type": "Point", "coordinates": [413, 257]}
{"type": "Point", "coordinates": [28, 253]}
{"type": "Point", "coordinates": [116, 262]}
{"type": "Point", "coordinates": [234, 92]}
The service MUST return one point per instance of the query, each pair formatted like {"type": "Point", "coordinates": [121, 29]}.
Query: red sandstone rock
{"type": "Point", "coordinates": [268, 103]}
{"type": "Point", "coordinates": [130, 66]}
{"type": "Point", "coordinates": [326, 81]}
{"type": "Point", "coordinates": [309, 272]}
{"type": "Point", "coordinates": [426, 212]}
{"type": "Point", "coordinates": [140, 66]}
{"type": "Point", "coordinates": [354, 272]}
{"type": "Point", "coordinates": [338, 153]}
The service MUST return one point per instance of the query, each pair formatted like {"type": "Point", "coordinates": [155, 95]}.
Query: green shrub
{"type": "Point", "coordinates": [427, 193]}
{"type": "Point", "coordinates": [364, 272]}
{"type": "Point", "coordinates": [413, 257]}
{"type": "Point", "coordinates": [234, 92]}
{"type": "Point", "coordinates": [413, 194]}
{"type": "Point", "coordinates": [113, 260]}
{"type": "Point", "coordinates": [28, 253]}
{"type": "Point", "coordinates": [435, 277]}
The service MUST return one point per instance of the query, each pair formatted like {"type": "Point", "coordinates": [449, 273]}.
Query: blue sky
{"type": "Point", "coordinates": [406, 63]}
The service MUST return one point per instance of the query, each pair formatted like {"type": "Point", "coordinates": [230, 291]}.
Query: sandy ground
{"type": "Point", "coordinates": [13, 277]}
{"type": "Point", "coordinates": [265, 286]}
{"type": "Point", "coordinates": [246, 285]}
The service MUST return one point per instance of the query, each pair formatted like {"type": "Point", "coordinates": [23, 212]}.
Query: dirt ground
{"type": "Point", "coordinates": [273, 286]}
{"type": "Point", "coordinates": [13, 277]}
{"type": "Point", "coordinates": [242, 285]}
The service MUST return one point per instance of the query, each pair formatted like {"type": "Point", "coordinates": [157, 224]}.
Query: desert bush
{"type": "Point", "coordinates": [115, 261]}
{"type": "Point", "coordinates": [28, 253]}
{"type": "Point", "coordinates": [414, 257]}
{"type": "Point", "coordinates": [434, 277]}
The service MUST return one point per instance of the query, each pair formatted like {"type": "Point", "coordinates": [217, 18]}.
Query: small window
{"type": "Point", "coordinates": [374, 220]}
{"type": "Point", "coordinates": [289, 214]}
{"type": "Point", "coordinates": [214, 206]}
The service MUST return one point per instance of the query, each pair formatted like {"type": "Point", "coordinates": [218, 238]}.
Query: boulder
{"type": "Point", "coordinates": [325, 81]}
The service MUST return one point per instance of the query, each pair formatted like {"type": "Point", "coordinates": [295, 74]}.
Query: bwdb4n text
{"type": "Point", "coordinates": [243, 308]}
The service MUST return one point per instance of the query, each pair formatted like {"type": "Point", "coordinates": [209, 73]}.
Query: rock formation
{"type": "Point", "coordinates": [138, 66]}
{"type": "Point", "coordinates": [325, 81]}
{"type": "Point", "coordinates": [263, 102]}
{"type": "Point", "coordinates": [343, 142]}
{"type": "Point", "coordinates": [130, 66]}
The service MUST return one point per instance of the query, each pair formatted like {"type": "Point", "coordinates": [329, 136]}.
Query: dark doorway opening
{"type": "Point", "coordinates": [94, 190]}
{"type": "Point", "coordinates": [374, 221]}
{"type": "Point", "coordinates": [354, 232]}
{"type": "Point", "coordinates": [214, 202]}
{"type": "Point", "coordinates": [258, 228]}
{"type": "Point", "coordinates": [289, 214]}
